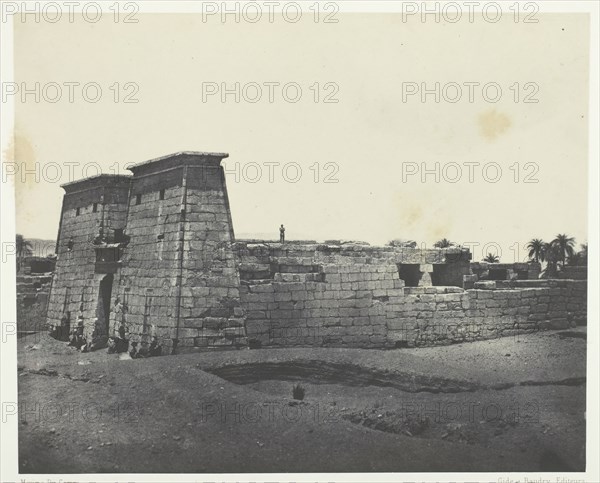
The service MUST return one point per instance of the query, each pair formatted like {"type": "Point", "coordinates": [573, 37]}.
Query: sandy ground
{"type": "Point", "coordinates": [511, 404]}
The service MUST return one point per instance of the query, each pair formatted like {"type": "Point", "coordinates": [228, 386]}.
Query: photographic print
{"type": "Point", "coordinates": [299, 241]}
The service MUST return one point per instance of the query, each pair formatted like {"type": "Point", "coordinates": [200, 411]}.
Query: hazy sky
{"type": "Point", "coordinates": [369, 135]}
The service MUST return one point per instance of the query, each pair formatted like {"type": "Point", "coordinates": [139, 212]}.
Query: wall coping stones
{"type": "Point", "coordinates": [377, 254]}
{"type": "Point", "coordinates": [100, 180]}
{"type": "Point", "coordinates": [182, 158]}
{"type": "Point", "coordinates": [502, 266]}
{"type": "Point", "coordinates": [485, 285]}
{"type": "Point", "coordinates": [435, 290]}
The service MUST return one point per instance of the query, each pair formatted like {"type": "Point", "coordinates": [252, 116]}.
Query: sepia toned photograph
{"type": "Point", "coordinates": [299, 241]}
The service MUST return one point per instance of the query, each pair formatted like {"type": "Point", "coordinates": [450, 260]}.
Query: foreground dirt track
{"type": "Point", "coordinates": [512, 404]}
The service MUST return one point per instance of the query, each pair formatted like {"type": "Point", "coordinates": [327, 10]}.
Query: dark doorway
{"type": "Point", "coordinates": [497, 274]}
{"type": "Point", "coordinates": [410, 273]}
{"type": "Point", "coordinates": [446, 275]}
{"type": "Point", "coordinates": [439, 276]}
{"type": "Point", "coordinates": [103, 311]}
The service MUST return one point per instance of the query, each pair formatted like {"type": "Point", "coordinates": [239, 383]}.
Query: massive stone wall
{"type": "Point", "coordinates": [211, 312]}
{"type": "Point", "coordinates": [156, 250]}
{"type": "Point", "coordinates": [334, 305]}
{"type": "Point", "coordinates": [179, 278]}
{"type": "Point", "coordinates": [90, 207]}
{"type": "Point", "coordinates": [144, 291]}
{"type": "Point", "coordinates": [323, 295]}
{"type": "Point", "coordinates": [152, 250]}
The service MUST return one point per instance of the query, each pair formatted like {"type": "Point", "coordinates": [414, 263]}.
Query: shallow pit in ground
{"type": "Point", "coordinates": [521, 416]}
{"type": "Point", "coordinates": [321, 372]}
{"type": "Point", "coordinates": [530, 419]}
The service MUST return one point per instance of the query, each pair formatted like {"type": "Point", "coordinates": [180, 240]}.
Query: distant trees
{"type": "Point", "coordinates": [24, 248]}
{"type": "Point", "coordinates": [443, 243]}
{"type": "Point", "coordinates": [399, 242]}
{"type": "Point", "coordinates": [565, 246]}
{"type": "Point", "coordinates": [491, 258]}
{"type": "Point", "coordinates": [575, 260]}
{"type": "Point", "coordinates": [537, 250]}
{"type": "Point", "coordinates": [557, 253]}
{"type": "Point", "coordinates": [552, 257]}
{"type": "Point", "coordinates": [579, 258]}
{"type": "Point", "coordinates": [583, 253]}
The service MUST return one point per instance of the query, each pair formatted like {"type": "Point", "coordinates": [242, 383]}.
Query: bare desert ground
{"type": "Point", "coordinates": [510, 404]}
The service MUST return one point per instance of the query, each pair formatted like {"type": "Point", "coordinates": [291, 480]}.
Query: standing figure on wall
{"type": "Point", "coordinates": [281, 234]}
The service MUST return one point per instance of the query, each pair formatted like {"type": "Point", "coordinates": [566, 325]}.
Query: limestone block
{"type": "Point", "coordinates": [214, 322]}
{"type": "Point", "coordinates": [235, 322]}
{"type": "Point", "coordinates": [485, 285]}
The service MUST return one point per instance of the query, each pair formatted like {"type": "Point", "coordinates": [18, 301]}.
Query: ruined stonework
{"type": "Point", "coordinates": [506, 271]}
{"type": "Point", "coordinates": [334, 295]}
{"type": "Point", "coordinates": [387, 297]}
{"type": "Point", "coordinates": [156, 251]}
{"type": "Point", "coordinates": [152, 250]}
{"type": "Point", "coordinates": [33, 280]}
{"type": "Point", "coordinates": [33, 291]}
{"type": "Point", "coordinates": [443, 315]}
{"type": "Point", "coordinates": [573, 272]}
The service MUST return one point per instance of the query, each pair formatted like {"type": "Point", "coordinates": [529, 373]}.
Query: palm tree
{"type": "Point", "coordinates": [443, 243]}
{"type": "Point", "coordinates": [552, 256]}
{"type": "Point", "coordinates": [491, 258]}
{"type": "Point", "coordinates": [537, 250]}
{"type": "Point", "coordinates": [565, 245]}
{"type": "Point", "coordinates": [23, 249]}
